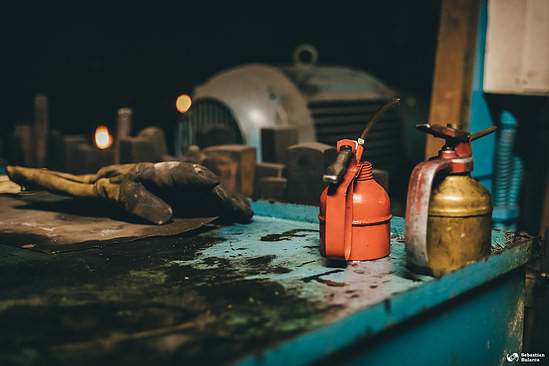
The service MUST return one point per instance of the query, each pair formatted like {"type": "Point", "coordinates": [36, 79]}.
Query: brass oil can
{"type": "Point", "coordinates": [448, 213]}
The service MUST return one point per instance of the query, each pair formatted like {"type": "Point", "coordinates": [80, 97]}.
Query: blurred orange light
{"type": "Point", "coordinates": [103, 138]}
{"type": "Point", "coordinates": [183, 103]}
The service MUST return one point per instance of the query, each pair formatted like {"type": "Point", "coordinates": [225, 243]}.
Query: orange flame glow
{"type": "Point", "coordinates": [103, 138]}
{"type": "Point", "coordinates": [183, 103]}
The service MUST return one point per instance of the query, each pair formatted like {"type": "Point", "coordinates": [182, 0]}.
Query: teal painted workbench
{"type": "Point", "coordinates": [257, 294]}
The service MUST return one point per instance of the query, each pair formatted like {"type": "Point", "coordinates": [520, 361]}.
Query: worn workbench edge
{"type": "Point", "coordinates": [322, 342]}
{"type": "Point", "coordinates": [287, 211]}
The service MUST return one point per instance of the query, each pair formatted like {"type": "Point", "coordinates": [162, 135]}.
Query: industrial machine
{"type": "Point", "coordinates": [325, 103]}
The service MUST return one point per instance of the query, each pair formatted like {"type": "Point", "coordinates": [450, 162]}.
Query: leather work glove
{"type": "Point", "coordinates": [153, 192]}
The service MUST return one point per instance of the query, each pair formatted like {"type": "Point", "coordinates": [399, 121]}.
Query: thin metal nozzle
{"type": "Point", "coordinates": [376, 116]}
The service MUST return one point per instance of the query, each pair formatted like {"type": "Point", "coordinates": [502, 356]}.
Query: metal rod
{"type": "Point", "coordinates": [123, 129]}
{"type": "Point", "coordinates": [40, 131]}
{"type": "Point", "coordinates": [482, 133]}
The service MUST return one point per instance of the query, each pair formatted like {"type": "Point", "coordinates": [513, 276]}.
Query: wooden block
{"type": "Point", "coordinates": [273, 188]}
{"type": "Point", "coordinates": [216, 135]}
{"type": "Point", "coordinates": [143, 148]}
{"type": "Point", "coordinates": [454, 68]}
{"type": "Point", "coordinates": [234, 165]}
{"type": "Point", "coordinates": [307, 162]}
{"type": "Point", "coordinates": [55, 158]}
{"type": "Point", "coordinates": [275, 142]}
{"type": "Point", "coordinates": [264, 170]}
{"type": "Point", "coordinates": [90, 158]}
{"type": "Point", "coordinates": [155, 136]}
{"type": "Point", "coordinates": [69, 153]}
{"type": "Point", "coordinates": [136, 150]}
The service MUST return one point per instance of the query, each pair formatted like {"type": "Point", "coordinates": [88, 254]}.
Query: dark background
{"type": "Point", "coordinates": [92, 60]}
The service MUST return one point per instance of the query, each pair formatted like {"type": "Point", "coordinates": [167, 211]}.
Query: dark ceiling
{"type": "Point", "coordinates": [92, 60]}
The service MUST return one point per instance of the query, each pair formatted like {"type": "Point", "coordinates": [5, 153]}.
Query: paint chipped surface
{"type": "Point", "coordinates": [161, 300]}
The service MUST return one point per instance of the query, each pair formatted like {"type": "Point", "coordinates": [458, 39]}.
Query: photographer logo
{"type": "Point", "coordinates": [512, 357]}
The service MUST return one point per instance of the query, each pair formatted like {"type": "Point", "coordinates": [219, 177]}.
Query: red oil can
{"type": "Point", "coordinates": [355, 215]}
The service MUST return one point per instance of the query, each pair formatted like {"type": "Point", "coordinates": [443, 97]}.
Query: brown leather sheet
{"type": "Point", "coordinates": [51, 223]}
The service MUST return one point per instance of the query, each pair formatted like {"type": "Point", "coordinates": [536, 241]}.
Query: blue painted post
{"type": "Point", "coordinates": [505, 189]}
{"type": "Point", "coordinates": [516, 179]}
{"type": "Point", "coordinates": [479, 115]}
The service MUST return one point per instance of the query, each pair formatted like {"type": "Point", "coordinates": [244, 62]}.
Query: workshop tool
{"type": "Point", "coordinates": [148, 146]}
{"type": "Point", "coordinates": [307, 162]}
{"type": "Point", "coordinates": [448, 213]}
{"type": "Point", "coordinates": [273, 189]}
{"type": "Point", "coordinates": [354, 208]}
{"type": "Point", "coordinates": [234, 164]}
{"type": "Point", "coordinates": [275, 141]}
{"type": "Point", "coordinates": [270, 189]}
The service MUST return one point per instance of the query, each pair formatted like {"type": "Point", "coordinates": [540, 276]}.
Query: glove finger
{"type": "Point", "coordinates": [235, 206]}
{"type": "Point", "coordinates": [138, 201]}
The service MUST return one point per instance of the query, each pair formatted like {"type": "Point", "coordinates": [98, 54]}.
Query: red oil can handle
{"type": "Point", "coordinates": [339, 211]}
{"type": "Point", "coordinates": [336, 171]}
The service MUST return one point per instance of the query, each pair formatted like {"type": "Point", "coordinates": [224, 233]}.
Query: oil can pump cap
{"type": "Point", "coordinates": [451, 134]}
{"type": "Point", "coordinates": [445, 132]}
{"type": "Point", "coordinates": [457, 140]}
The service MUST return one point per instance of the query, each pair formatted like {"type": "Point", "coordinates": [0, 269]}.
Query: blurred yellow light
{"type": "Point", "coordinates": [103, 138]}
{"type": "Point", "coordinates": [183, 103]}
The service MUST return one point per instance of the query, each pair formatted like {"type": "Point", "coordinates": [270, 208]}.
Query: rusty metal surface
{"type": "Point", "coordinates": [417, 208]}
{"type": "Point", "coordinates": [52, 224]}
